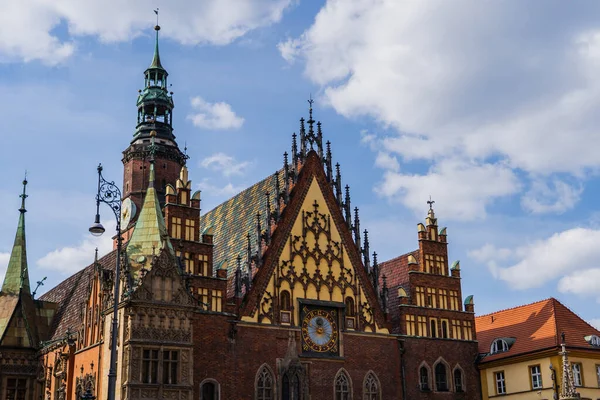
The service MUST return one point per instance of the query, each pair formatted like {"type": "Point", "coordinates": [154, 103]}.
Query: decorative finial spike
{"type": "Point", "coordinates": [356, 229]}
{"type": "Point", "coordinates": [430, 202]}
{"type": "Point", "coordinates": [23, 195]}
{"type": "Point", "coordinates": [348, 208]}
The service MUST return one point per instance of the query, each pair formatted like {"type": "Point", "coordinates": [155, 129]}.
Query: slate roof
{"type": "Point", "coordinates": [70, 294]}
{"type": "Point", "coordinates": [535, 327]}
{"type": "Point", "coordinates": [232, 220]}
{"type": "Point", "coordinates": [8, 303]}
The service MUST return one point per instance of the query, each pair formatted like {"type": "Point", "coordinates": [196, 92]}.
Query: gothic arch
{"type": "Point", "coordinates": [425, 384]}
{"type": "Point", "coordinates": [442, 377]}
{"type": "Point", "coordinates": [265, 383]}
{"type": "Point", "coordinates": [210, 382]}
{"type": "Point", "coordinates": [341, 377]}
{"type": "Point", "coordinates": [371, 386]}
{"type": "Point", "coordinates": [462, 379]}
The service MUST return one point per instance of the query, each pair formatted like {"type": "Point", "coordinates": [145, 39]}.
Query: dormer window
{"type": "Point", "coordinates": [499, 346]}
{"type": "Point", "coordinates": [593, 340]}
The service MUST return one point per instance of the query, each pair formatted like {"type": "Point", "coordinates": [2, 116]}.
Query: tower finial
{"type": "Point", "coordinates": [156, 59]}
{"type": "Point", "coordinates": [23, 196]}
{"type": "Point", "coordinates": [156, 12]}
{"type": "Point", "coordinates": [430, 202]}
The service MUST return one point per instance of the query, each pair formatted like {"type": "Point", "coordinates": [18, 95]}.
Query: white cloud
{"type": "Point", "coordinates": [214, 115]}
{"type": "Point", "coordinates": [70, 259]}
{"type": "Point", "coordinates": [595, 322]}
{"type": "Point", "coordinates": [512, 82]}
{"type": "Point", "coordinates": [571, 255]}
{"type": "Point", "coordinates": [555, 198]}
{"type": "Point", "coordinates": [225, 164]}
{"type": "Point", "coordinates": [387, 161]}
{"type": "Point", "coordinates": [27, 27]}
{"type": "Point", "coordinates": [461, 189]}
{"type": "Point", "coordinates": [4, 258]}
{"type": "Point", "coordinates": [221, 192]}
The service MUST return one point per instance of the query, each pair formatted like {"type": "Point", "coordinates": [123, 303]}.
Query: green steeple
{"type": "Point", "coordinates": [17, 275]}
{"type": "Point", "coordinates": [150, 232]}
{"type": "Point", "coordinates": [156, 59]}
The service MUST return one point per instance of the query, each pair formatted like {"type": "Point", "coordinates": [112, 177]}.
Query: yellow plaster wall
{"type": "Point", "coordinates": [518, 380]}
{"type": "Point", "coordinates": [297, 292]}
{"type": "Point", "coordinates": [591, 388]}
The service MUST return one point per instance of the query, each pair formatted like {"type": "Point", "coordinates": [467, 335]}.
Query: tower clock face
{"type": "Point", "coordinates": [320, 331]}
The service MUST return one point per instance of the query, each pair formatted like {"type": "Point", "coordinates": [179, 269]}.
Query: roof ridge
{"type": "Point", "coordinates": [574, 313]}
{"type": "Point", "coordinates": [399, 257]}
{"type": "Point", "coordinates": [513, 308]}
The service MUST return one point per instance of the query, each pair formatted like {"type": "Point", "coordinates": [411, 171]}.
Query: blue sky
{"type": "Point", "coordinates": [489, 107]}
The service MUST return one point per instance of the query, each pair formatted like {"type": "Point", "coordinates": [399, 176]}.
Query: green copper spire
{"type": "Point", "coordinates": [156, 59]}
{"type": "Point", "coordinates": [17, 276]}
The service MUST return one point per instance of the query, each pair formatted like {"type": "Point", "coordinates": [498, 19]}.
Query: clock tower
{"type": "Point", "coordinates": [154, 114]}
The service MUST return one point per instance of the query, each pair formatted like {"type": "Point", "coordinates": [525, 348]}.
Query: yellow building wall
{"type": "Point", "coordinates": [591, 386]}
{"type": "Point", "coordinates": [298, 291]}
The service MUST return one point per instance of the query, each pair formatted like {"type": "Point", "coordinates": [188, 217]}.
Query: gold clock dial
{"type": "Point", "coordinates": [319, 331]}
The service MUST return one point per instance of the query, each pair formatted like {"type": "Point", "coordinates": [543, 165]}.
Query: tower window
{"type": "Point", "coordinates": [445, 329]}
{"type": "Point", "coordinates": [176, 228]}
{"type": "Point", "coordinates": [441, 378]}
{"type": "Point", "coordinates": [433, 327]}
{"type": "Point", "coordinates": [424, 379]}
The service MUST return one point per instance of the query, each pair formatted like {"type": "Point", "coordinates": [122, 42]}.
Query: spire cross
{"type": "Point", "coordinates": [23, 196]}
{"type": "Point", "coordinates": [430, 202]}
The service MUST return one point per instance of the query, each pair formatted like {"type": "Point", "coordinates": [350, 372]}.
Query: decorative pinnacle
{"type": "Point", "coordinates": [23, 196]}
{"type": "Point", "coordinates": [430, 202]}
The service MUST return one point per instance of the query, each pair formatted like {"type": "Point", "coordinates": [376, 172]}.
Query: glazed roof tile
{"type": "Point", "coordinates": [534, 327]}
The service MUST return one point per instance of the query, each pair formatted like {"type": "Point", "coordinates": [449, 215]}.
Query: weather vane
{"type": "Point", "coordinates": [430, 202]}
{"type": "Point", "coordinates": [156, 12]}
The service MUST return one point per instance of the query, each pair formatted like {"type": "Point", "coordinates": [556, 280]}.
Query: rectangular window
{"type": "Point", "coordinates": [431, 297]}
{"type": "Point", "coordinates": [598, 374]}
{"type": "Point", "coordinates": [420, 296]}
{"type": "Point", "coordinates": [176, 228]}
{"type": "Point", "coordinates": [428, 262]}
{"type": "Point", "coordinates": [217, 298]}
{"type": "Point", "coordinates": [150, 366]}
{"type": "Point", "coordinates": [410, 325]}
{"type": "Point", "coordinates": [16, 388]}
{"type": "Point", "coordinates": [170, 365]}
{"type": "Point", "coordinates": [467, 331]}
{"type": "Point", "coordinates": [444, 328]}
{"type": "Point", "coordinates": [536, 377]}
{"type": "Point", "coordinates": [577, 374]}
{"type": "Point", "coordinates": [439, 267]}
{"type": "Point", "coordinates": [443, 294]}
{"type": "Point", "coordinates": [190, 229]}
{"type": "Point", "coordinates": [454, 300]}
{"type": "Point", "coordinates": [433, 327]}
{"type": "Point", "coordinates": [202, 265]}
{"type": "Point", "coordinates": [203, 297]}
{"type": "Point", "coordinates": [456, 331]}
{"type": "Point", "coordinates": [422, 326]}
{"type": "Point", "coordinates": [500, 383]}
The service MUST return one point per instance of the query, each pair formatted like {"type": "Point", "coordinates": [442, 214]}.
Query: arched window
{"type": "Point", "coordinates": [433, 327]}
{"type": "Point", "coordinates": [424, 378]}
{"type": "Point", "coordinates": [350, 311]}
{"type": "Point", "coordinates": [284, 300]}
{"type": "Point", "coordinates": [445, 329]}
{"type": "Point", "coordinates": [499, 346]}
{"type": "Point", "coordinates": [441, 377]}
{"type": "Point", "coordinates": [459, 385]}
{"type": "Point", "coordinates": [342, 387]}
{"type": "Point", "coordinates": [290, 387]}
{"type": "Point", "coordinates": [264, 384]}
{"type": "Point", "coordinates": [209, 390]}
{"type": "Point", "coordinates": [371, 389]}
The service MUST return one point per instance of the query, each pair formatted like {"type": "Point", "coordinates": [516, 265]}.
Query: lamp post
{"type": "Point", "coordinates": [109, 193]}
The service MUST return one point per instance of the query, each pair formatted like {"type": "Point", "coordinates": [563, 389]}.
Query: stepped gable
{"type": "Point", "coordinates": [71, 293]}
{"type": "Point", "coordinates": [231, 222]}
{"type": "Point", "coordinates": [535, 327]}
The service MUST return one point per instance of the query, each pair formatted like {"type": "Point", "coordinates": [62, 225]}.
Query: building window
{"type": "Point", "coordinates": [593, 340]}
{"type": "Point", "coordinates": [598, 374]}
{"type": "Point", "coordinates": [498, 346]}
{"type": "Point", "coordinates": [350, 310]}
{"type": "Point", "coordinates": [440, 266]}
{"type": "Point", "coordinates": [445, 329]}
{"type": "Point", "coordinates": [410, 325]}
{"type": "Point", "coordinates": [284, 300]}
{"type": "Point", "coordinates": [189, 262]}
{"type": "Point", "coordinates": [209, 390]}
{"type": "Point", "coordinates": [216, 300]}
{"type": "Point", "coordinates": [456, 331]}
{"type": "Point", "coordinates": [536, 377]}
{"type": "Point", "coordinates": [467, 331]}
{"type": "Point", "coordinates": [190, 229]}
{"type": "Point", "coordinates": [203, 297]}
{"type": "Point", "coordinates": [422, 325]}
{"type": "Point", "coordinates": [16, 389]}
{"type": "Point", "coordinates": [577, 374]}
{"type": "Point", "coordinates": [371, 387]}
{"type": "Point", "coordinates": [433, 331]}
{"type": "Point", "coordinates": [150, 366]}
{"type": "Point", "coordinates": [170, 366]}
{"type": "Point", "coordinates": [500, 383]}
{"type": "Point", "coordinates": [264, 384]}
{"type": "Point", "coordinates": [420, 296]}
{"type": "Point", "coordinates": [428, 262]}
{"type": "Point", "coordinates": [424, 378]}
{"type": "Point", "coordinates": [459, 385]}
{"type": "Point", "coordinates": [342, 387]}
{"type": "Point", "coordinates": [176, 228]}
{"type": "Point", "coordinates": [454, 300]}
{"type": "Point", "coordinates": [443, 294]}
{"type": "Point", "coordinates": [431, 298]}
{"type": "Point", "coordinates": [202, 265]}
{"type": "Point", "coordinates": [291, 386]}
{"type": "Point", "coordinates": [441, 378]}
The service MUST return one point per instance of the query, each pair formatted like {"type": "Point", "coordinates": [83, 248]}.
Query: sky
{"type": "Point", "coordinates": [491, 108]}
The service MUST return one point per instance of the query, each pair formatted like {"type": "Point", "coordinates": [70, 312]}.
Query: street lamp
{"type": "Point", "coordinates": [109, 193]}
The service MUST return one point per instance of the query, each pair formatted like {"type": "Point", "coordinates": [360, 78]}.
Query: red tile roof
{"type": "Point", "coordinates": [534, 327]}
{"type": "Point", "coordinates": [396, 270]}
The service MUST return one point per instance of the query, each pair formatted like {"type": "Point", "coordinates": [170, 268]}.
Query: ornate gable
{"type": "Point", "coordinates": [312, 259]}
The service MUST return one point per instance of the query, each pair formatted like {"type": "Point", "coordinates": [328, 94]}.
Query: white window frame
{"type": "Point", "coordinates": [577, 374]}
{"type": "Point", "coordinates": [498, 346]}
{"type": "Point", "coordinates": [500, 382]}
{"type": "Point", "coordinates": [536, 377]}
{"type": "Point", "coordinates": [598, 373]}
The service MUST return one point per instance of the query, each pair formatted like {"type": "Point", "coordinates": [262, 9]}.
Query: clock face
{"type": "Point", "coordinates": [127, 212]}
{"type": "Point", "coordinates": [319, 331]}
